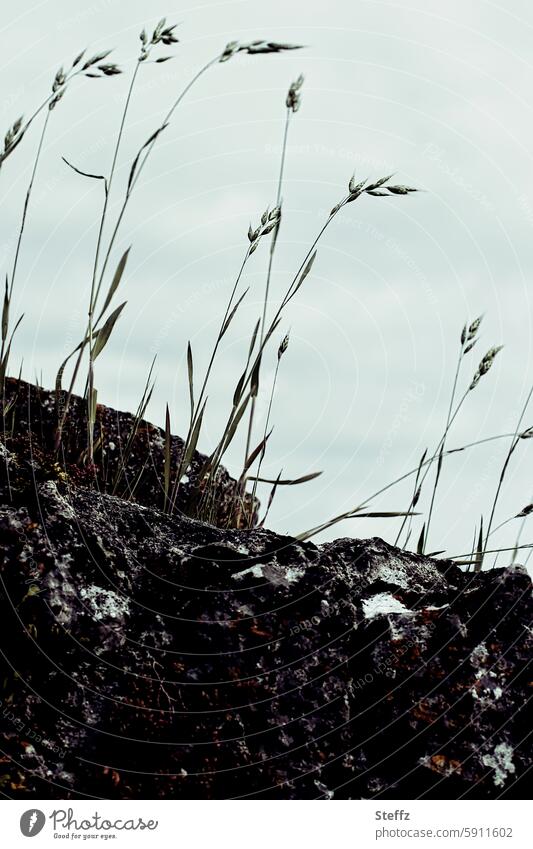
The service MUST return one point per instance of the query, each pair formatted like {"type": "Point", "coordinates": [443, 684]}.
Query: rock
{"type": "Point", "coordinates": [128, 470]}
{"type": "Point", "coordinates": [150, 656]}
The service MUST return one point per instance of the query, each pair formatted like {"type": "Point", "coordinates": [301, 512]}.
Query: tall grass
{"type": "Point", "coordinates": [103, 315]}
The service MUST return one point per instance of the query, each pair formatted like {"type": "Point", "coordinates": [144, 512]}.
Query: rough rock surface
{"type": "Point", "coordinates": [129, 456]}
{"type": "Point", "coordinates": [154, 656]}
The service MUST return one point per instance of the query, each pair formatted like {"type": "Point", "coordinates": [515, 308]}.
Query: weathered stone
{"type": "Point", "coordinates": [154, 656]}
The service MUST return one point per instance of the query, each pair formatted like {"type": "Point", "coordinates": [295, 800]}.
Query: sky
{"type": "Point", "coordinates": [438, 94]}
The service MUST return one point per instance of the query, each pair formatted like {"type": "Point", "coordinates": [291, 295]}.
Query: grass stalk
{"type": "Point", "coordinates": [98, 281]}
{"type": "Point", "coordinates": [517, 437]}
{"type": "Point", "coordinates": [289, 112]}
{"type": "Point", "coordinates": [443, 446]}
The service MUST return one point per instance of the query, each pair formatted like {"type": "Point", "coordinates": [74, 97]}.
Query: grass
{"type": "Point", "coordinates": [103, 315]}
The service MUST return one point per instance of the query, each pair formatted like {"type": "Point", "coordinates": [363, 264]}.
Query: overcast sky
{"type": "Point", "coordinates": [438, 93]}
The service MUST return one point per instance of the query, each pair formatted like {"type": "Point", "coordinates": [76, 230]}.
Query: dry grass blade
{"type": "Point", "coordinates": [188, 453]}
{"type": "Point", "coordinates": [85, 173]}
{"type": "Point", "coordinates": [414, 499]}
{"type": "Point", "coordinates": [190, 377]}
{"type": "Point", "coordinates": [101, 337]}
{"type": "Point", "coordinates": [117, 277]}
{"type": "Point", "coordinates": [5, 314]}
{"type": "Point", "coordinates": [254, 379]}
{"type": "Point", "coordinates": [7, 350]}
{"type": "Point", "coordinates": [382, 514]}
{"type": "Point", "coordinates": [306, 271]}
{"type": "Point", "coordinates": [288, 481]}
{"type": "Point", "coordinates": [232, 313]}
{"type": "Point", "coordinates": [255, 454]}
{"type": "Point", "coordinates": [167, 459]}
{"type": "Point", "coordinates": [231, 430]}
{"type": "Point", "coordinates": [270, 499]}
{"type": "Point", "coordinates": [139, 416]}
{"type": "Point", "coordinates": [421, 540]}
{"type": "Point", "coordinates": [237, 395]}
{"type": "Point", "coordinates": [356, 513]}
{"type": "Point", "coordinates": [135, 163]}
{"type": "Point", "coordinates": [478, 563]}
{"type": "Point", "coordinates": [517, 437]}
{"type": "Point", "coordinates": [194, 438]}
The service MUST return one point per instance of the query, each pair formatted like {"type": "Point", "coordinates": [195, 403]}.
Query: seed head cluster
{"type": "Point", "coordinates": [255, 47]}
{"type": "Point", "coordinates": [269, 220]}
{"type": "Point", "coordinates": [377, 189]}
{"type": "Point", "coordinates": [294, 97]}
{"type": "Point", "coordinates": [469, 335]}
{"type": "Point", "coordinates": [161, 35]}
{"type": "Point", "coordinates": [484, 366]}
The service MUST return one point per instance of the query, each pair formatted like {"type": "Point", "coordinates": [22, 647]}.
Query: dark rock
{"type": "Point", "coordinates": [133, 471]}
{"type": "Point", "coordinates": [154, 656]}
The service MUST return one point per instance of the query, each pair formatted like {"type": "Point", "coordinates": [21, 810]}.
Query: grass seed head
{"type": "Point", "coordinates": [230, 50]}
{"type": "Point", "coordinates": [485, 365]}
{"type": "Point", "coordinates": [99, 57]}
{"type": "Point", "coordinates": [59, 80]}
{"type": "Point", "coordinates": [256, 47]}
{"type": "Point", "coordinates": [469, 333]}
{"type": "Point", "coordinates": [269, 220]}
{"type": "Point", "coordinates": [109, 70]}
{"type": "Point", "coordinates": [283, 346]}
{"type": "Point", "coordinates": [55, 100]}
{"type": "Point", "coordinates": [294, 97]}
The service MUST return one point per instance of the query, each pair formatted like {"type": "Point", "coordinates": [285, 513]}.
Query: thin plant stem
{"type": "Point", "coordinates": [437, 476]}
{"type": "Point", "coordinates": [15, 263]}
{"type": "Point", "coordinates": [527, 545]}
{"type": "Point", "coordinates": [219, 337]}
{"type": "Point", "coordinates": [46, 102]}
{"type": "Point", "coordinates": [514, 442]}
{"type": "Point", "coordinates": [427, 463]}
{"type": "Point", "coordinates": [114, 236]}
{"type": "Point", "coordinates": [435, 454]}
{"type": "Point", "coordinates": [289, 294]}
{"type": "Point", "coordinates": [142, 163]}
{"type": "Point", "coordinates": [23, 219]}
{"type": "Point", "coordinates": [269, 271]}
{"type": "Point", "coordinates": [27, 200]}
{"type": "Point", "coordinates": [263, 451]}
{"type": "Point", "coordinates": [199, 402]}
{"type": "Point", "coordinates": [94, 289]}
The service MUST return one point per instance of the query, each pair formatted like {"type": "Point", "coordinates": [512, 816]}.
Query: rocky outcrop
{"type": "Point", "coordinates": [128, 455]}
{"type": "Point", "coordinates": [150, 656]}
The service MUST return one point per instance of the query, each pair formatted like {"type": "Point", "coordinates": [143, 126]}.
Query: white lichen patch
{"type": "Point", "coordinates": [254, 571]}
{"type": "Point", "coordinates": [501, 761]}
{"type": "Point", "coordinates": [401, 571]}
{"type": "Point", "coordinates": [274, 573]}
{"type": "Point", "coordinates": [479, 655]}
{"type": "Point", "coordinates": [381, 605]}
{"type": "Point", "coordinates": [486, 686]}
{"type": "Point", "coordinates": [294, 573]}
{"type": "Point", "coordinates": [104, 604]}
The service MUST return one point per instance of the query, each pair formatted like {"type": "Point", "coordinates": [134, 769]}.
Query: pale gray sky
{"type": "Point", "coordinates": [440, 94]}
